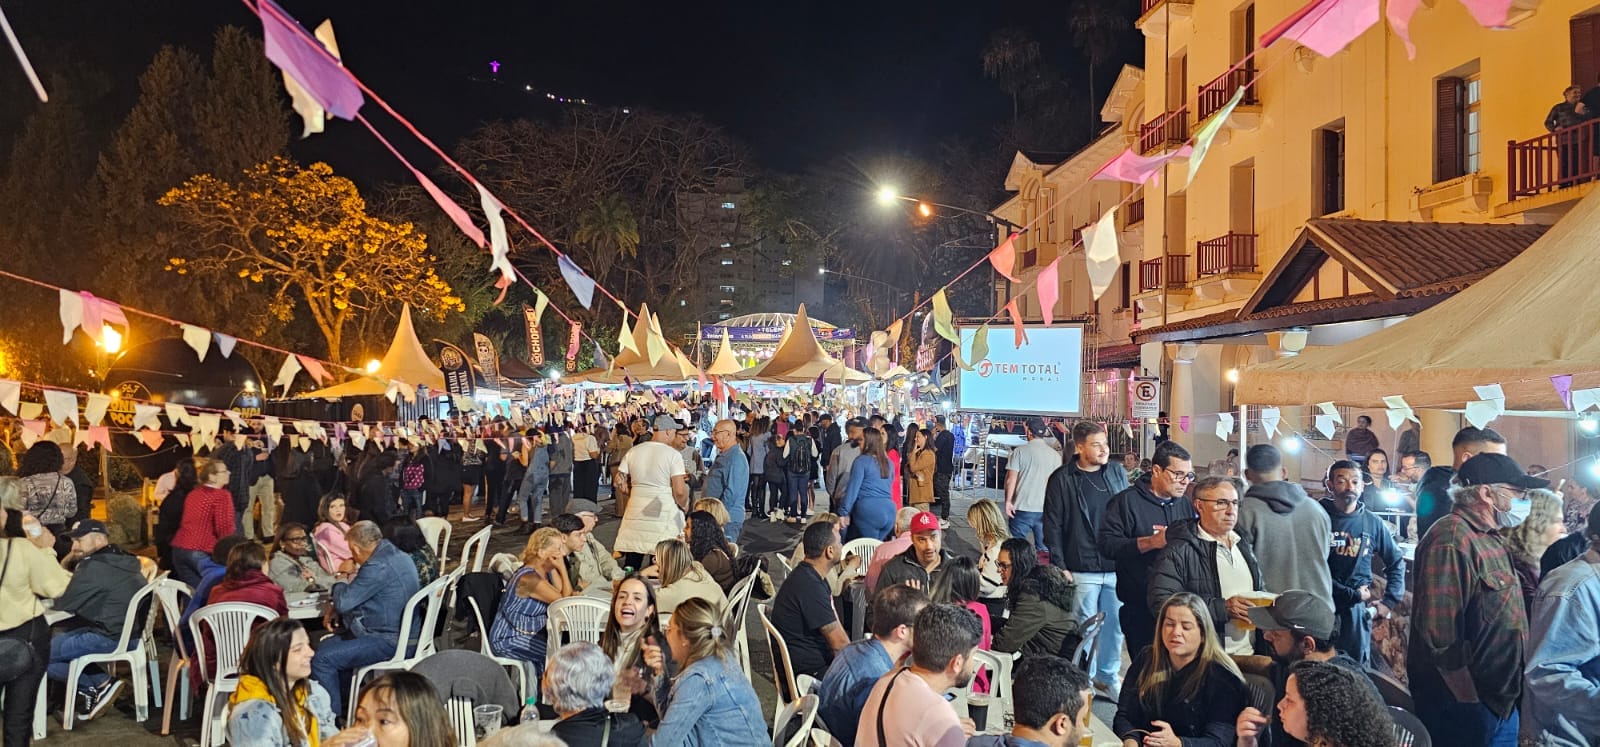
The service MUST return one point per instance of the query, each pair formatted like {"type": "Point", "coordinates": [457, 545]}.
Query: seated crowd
{"type": "Point", "coordinates": [1246, 614]}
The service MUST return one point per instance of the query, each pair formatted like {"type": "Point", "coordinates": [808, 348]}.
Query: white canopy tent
{"type": "Point", "coordinates": [800, 359]}
{"type": "Point", "coordinates": [673, 367]}
{"type": "Point", "coordinates": [405, 362]}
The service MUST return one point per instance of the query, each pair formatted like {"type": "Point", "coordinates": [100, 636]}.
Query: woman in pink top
{"type": "Point", "coordinates": [892, 442]}
{"type": "Point", "coordinates": [207, 516]}
{"type": "Point", "coordinates": [958, 584]}
{"type": "Point", "coordinates": [332, 551]}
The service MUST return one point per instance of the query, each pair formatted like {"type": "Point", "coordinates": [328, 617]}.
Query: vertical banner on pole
{"type": "Point", "coordinates": [488, 358]}
{"type": "Point", "coordinates": [572, 346]}
{"type": "Point", "coordinates": [535, 337]}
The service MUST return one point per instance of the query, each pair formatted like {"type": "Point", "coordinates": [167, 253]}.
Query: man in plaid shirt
{"type": "Point", "coordinates": [1468, 627]}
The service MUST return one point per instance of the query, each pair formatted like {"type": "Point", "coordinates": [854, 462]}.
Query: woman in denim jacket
{"type": "Point", "coordinates": [710, 702]}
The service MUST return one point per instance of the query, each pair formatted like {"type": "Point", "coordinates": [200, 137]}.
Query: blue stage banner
{"type": "Point", "coordinates": [771, 334]}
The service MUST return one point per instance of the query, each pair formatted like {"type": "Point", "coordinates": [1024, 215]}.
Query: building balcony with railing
{"type": "Point", "coordinates": [1154, 15]}
{"type": "Point", "coordinates": [1133, 214]}
{"type": "Point", "coordinates": [1554, 167]}
{"type": "Point", "coordinates": [1216, 94]}
{"type": "Point", "coordinates": [1226, 266]}
{"type": "Point", "coordinates": [1167, 130]}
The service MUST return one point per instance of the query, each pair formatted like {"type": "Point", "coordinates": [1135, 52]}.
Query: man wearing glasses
{"type": "Point", "coordinates": [730, 476]}
{"type": "Point", "coordinates": [1208, 559]}
{"type": "Point", "coordinates": [1133, 533]}
{"type": "Point", "coordinates": [1468, 625]}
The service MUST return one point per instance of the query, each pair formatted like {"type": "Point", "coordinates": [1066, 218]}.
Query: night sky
{"type": "Point", "coordinates": [799, 82]}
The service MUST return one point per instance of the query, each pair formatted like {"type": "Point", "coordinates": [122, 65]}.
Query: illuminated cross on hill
{"type": "Point", "coordinates": [494, 67]}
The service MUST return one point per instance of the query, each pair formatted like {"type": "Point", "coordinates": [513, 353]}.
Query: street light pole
{"type": "Point", "coordinates": [895, 290]}
{"type": "Point", "coordinates": [887, 196]}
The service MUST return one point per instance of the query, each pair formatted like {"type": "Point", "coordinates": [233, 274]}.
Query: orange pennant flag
{"type": "Point", "coordinates": [1004, 258]}
{"type": "Point", "coordinates": [1049, 290]}
{"type": "Point", "coordinates": [1016, 323]}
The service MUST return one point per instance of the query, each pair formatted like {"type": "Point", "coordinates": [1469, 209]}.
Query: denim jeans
{"type": "Point", "coordinates": [337, 660]}
{"type": "Point", "coordinates": [1097, 592]}
{"type": "Point", "coordinates": [186, 565]}
{"type": "Point", "coordinates": [1028, 525]}
{"type": "Point", "coordinates": [798, 501]}
{"type": "Point", "coordinates": [530, 500]}
{"type": "Point", "coordinates": [71, 644]}
{"type": "Point", "coordinates": [1466, 724]}
{"type": "Point", "coordinates": [411, 503]}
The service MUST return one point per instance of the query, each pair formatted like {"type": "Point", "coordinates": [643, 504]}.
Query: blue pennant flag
{"type": "Point", "coordinates": [582, 285]}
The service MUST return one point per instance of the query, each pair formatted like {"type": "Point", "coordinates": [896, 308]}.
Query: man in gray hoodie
{"type": "Point", "coordinates": [1289, 531]}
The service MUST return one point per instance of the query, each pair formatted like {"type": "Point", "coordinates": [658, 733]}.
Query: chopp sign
{"type": "Point", "coordinates": [1042, 377]}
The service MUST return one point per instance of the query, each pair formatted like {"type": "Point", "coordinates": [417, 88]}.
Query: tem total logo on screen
{"type": "Point", "coordinates": [1025, 371]}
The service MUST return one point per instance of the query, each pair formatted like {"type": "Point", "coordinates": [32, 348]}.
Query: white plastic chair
{"type": "Point", "coordinates": [580, 618]}
{"type": "Point", "coordinates": [174, 595]}
{"type": "Point", "coordinates": [738, 609]}
{"type": "Point", "coordinates": [437, 532]}
{"type": "Point", "coordinates": [804, 709]}
{"type": "Point", "coordinates": [475, 550]}
{"type": "Point", "coordinates": [782, 667]}
{"type": "Point", "coordinates": [131, 649]}
{"type": "Point", "coordinates": [485, 649]}
{"type": "Point", "coordinates": [430, 599]}
{"type": "Point", "coordinates": [865, 547]}
{"type": "Point", "coordinates": [1000, 691]}
{"type": "Point", "coordinates": [229, 625]}
{"type": "Point", "coordinates": [460, 710]}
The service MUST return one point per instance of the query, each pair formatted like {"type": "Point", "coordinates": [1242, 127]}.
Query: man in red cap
{"type": "Point", "coordinates": [921, 565]}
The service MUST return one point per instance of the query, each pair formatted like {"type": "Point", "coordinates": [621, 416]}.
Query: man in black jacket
{"type": "Point", "coordinates": [1133, 533]}
{"type": "Point", "coordinates": [1075, 500]}
{"type": "Point", "coordinates": [1358, 534]}
{"type": "Point", "coordinates": [944, 467]}
{"type": "Point", "coordinates": [1207, 558]}
{"type": "Point", "coordinates": [104, 582]}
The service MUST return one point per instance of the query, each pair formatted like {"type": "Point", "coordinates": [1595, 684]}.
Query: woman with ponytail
{"type": "Point", "coordinates": [710, 701]}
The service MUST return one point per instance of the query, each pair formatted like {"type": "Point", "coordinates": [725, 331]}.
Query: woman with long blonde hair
{"type": "Point", "coordinates": [1186, 686]}
{"type": "Point", "coordinates": [682, 578]}
{"type": "Point", "coordinates": [989, 523]}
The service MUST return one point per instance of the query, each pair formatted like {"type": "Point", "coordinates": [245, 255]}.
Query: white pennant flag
{"type": "Point", "coordinates": [305, 443]}
{"type": "Point", "coordinates": [499, 245]}
{"type": "Point", "coordinates": [358, 440]}
{"type": "Point", "coordinates": [286, 373]}
{"type": "Point", "coordinates": [1398, 411]}
{"type": "Point", "coordinates": [146, 417]}
{"type": "Point", "coordinates": [1269, 420]}
{"type": "Point", "coordinates": [94, 407]}
{"type": "Point", "coordinates": [1495, 394]}
{"type": "Point", "coordinates": [1325, 424]}
{"type": "Point", "coordinates": [63, 407]}
{"type": "Point", "coordinates": [1224, 425]}
{"type": "Point", "coordinates": [1101, 252]}
{"type": "Point", "coordinates": [225, 344]}
{"type": "Point", "coordinates": [236, 419]}
{"type": "Point", "coordinates": [177, 415]}
{"type": "Point", "coordinates": [1479, 413]}
{"type": "Point", "coordinates": [198, 338]}
{"type": "Point", "coordinates": [11, 396]}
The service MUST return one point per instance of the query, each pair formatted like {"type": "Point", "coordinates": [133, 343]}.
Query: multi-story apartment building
{"type": "Point", "coordinates": [745, 273]}
{"type": "Point", "coordinates": [1346, 193]}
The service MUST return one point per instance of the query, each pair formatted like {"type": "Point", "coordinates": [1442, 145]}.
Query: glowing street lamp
{"type": "Point", "coordinates": [887, 196]}
{"type": "Point", "coordinates": [110, 339]}
{"type": "Point", "coordinates": [373, 365]}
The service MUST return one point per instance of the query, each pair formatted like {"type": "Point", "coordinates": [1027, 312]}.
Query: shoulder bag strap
{"type": "Point", "coordinates": [605, 737]}
{"type": "Point", "coordinates": [883, 704]}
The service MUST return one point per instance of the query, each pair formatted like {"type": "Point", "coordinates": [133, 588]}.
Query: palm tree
{"type": "Point", "coordinates": [1096, 27]}
{"type": "Point", "coordinates": [1009, 60]}
{"type": "Point", "coordinates": [609, 230]}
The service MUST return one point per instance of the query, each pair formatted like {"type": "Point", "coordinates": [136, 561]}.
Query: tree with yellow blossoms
{"type": "Point", "coordinates": [305, 235]}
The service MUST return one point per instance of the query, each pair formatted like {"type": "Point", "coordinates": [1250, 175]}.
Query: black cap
{"type": "Point", "coordinates": [1497, 469]}
{"type": "Point", "coordinates": [1037, 426]}
{"type": "Point", "coordinates": [1296, 611]}
{"type": "Point", "coordinates": [83, 528]}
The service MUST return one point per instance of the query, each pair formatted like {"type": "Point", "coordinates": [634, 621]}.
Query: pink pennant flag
{"type": "Point", "coordinates": [1004, 258]}
{"type": "Point", "coordinates": [1327, 26]}
{"type": "Point", "coordinates": [701, 374]}
{"type": "Point", "coordinates": [1016, 323]}
{"type": "Point", "coordinates": [314, 368]}
{"type": "Point", "coordinates": [1183, 423]}
{"type": "Point", "coordinates": [458, 214]}
{"type": "Point", "coordinates": [1049, 282]}
{"type": "Point", "coordinates": [1136, 169]}
{"type": "Point", "coordinates": [1490, 14]}
{"type": "Point", "coordinates": [1563, 385]}
{"type": "Point", "coordinates": [100, 435]}
{"type": "Point", "coordinates": [1399, 13]}
{"type": "Point", "coordinates": [152, 439]}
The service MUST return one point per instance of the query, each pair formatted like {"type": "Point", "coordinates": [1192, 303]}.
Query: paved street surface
{"type": "Point", "coordinates": [117, 725]}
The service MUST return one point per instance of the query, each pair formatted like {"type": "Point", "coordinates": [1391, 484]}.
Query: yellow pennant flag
{"type": "Point", "coordinates": [625, 336]}
{"type": "Point", "coordinates": [943, 318]}
{"type": "Point", "coordinates": [980, 344]}
{"type": "Point", "coordinates": [539, 302]}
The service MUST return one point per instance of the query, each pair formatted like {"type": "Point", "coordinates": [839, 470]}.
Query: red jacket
{"type": "Point", "coordinates": [254, 588]}
{"type": "Point", "coordinates": [207, 517]}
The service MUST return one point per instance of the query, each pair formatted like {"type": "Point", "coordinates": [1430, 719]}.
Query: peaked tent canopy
{"type": "Point", "coordinates": [724, 364]}
{"type": "Point", "coordinates": [672, 367]}
{"type": "Point", "coordinates": [800, 359]}
{"type": "Point", "coordinates": [1517, 327]}
{"type": "Point", "coordinates": [405, 362]}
